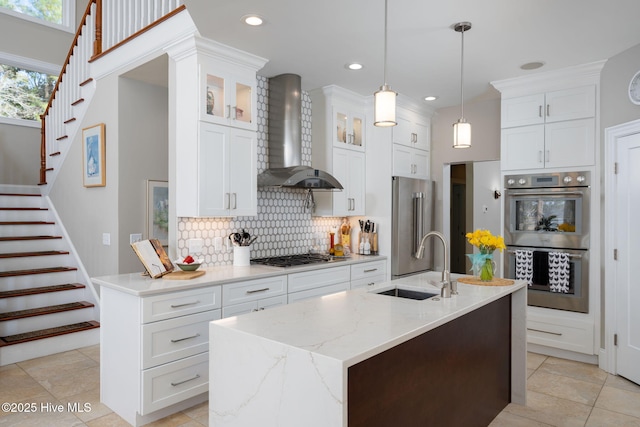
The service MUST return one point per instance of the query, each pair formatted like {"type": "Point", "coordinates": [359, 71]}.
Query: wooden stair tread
{"type": "Point", "coordinates": [21, 194]}
{"type": "Point", "coordinates": [48, 333]}
{"type": "Point", "coordinates": [10, 238]}
{"type": "Point", "coordinates": [39, 311]}
{"type": "Point", "coordinates": [41, 290]}
{"type": "Point", "coordinates": [26, 222]}
{"type": "Point", "coordinates": [34, 253]}
{"type": "Point", "coordinates": [23, 209]}
{"type": "Point", "coordinates": [36, 271]}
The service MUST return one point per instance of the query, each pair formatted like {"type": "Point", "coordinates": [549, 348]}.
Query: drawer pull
{"type": "Point", "coordinates": [258, 290]}
{"type": "Point", "coordinates": [186, 338]}
{"type": "Point", "coordinates": [544, 332]}
{"type": "Point", "coordinates": [185, 304]}
{"type": "Point", "coordinates": [186, 381]}
{"type": "Point", "coordinates": [371, 270]}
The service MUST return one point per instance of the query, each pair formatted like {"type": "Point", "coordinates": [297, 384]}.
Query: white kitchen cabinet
{"type": "Point", "coordinates": [410, 162]}
{"type": "Point", "coordinates": [338, 118]}
{"type": "Point", "coordinates": [558, 329]}
{"type": "Point", "coordinates": [154, 351]}
{"type": "Point", "coordinates": [348, 167]}
{"type": "Point", "coordinates": [224, 170]}
{"type": "Point", "coordinates": [368, 273]}
{"type": "Point", "coordinates": [555, 106]}
{"type": "Point", "coordinates": [551, 145]}
{"type": "Point", "coordinates": [252, 295]}
{"type": "Point", "coordinates": [412, 130]}
{"type": "Point", "coordinates": [314, 283]}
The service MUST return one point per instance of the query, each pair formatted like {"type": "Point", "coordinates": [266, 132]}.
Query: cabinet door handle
{"type": "Point", "coordinates": [226, 200]}
{"type": "Point", "coordinates": [371, 270]}
{"type": "Point", "coordinates": [539, 156]}
{"type": "Point", "coordinates": [186, 338]}
{"type": "Point", "coordinates": [185, 304]}
{"type": "Point", "coordinates": [544, 332]}
{"type": "Point", "coordinates": [257, 290]}
{"type": "Point", "coordinates": [235, 113]}
{"type": "Point", "coordinates": [547, 155]}
{"type": "Point", "coordinates": [539, 110]}
{"type": "Point", "coordinates": [228, 111]}
{"type": "Point", "coordinates": [547, 110]}
{"type": "Point", "coordinates": [235, 201]}
{"type": "Point", "coordinates": [185, 381]}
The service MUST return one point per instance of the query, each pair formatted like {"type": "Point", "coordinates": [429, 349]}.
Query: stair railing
{"type": "Point", "coordinates": [103, 28]}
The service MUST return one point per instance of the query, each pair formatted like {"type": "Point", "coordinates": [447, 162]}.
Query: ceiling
{"type": "Point", "coordinates": [316, 38]}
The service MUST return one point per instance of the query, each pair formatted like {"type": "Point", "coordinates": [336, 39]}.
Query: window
{"type": "Point", "coordinates": [54, 13]}
{"type": "Point", "coordinates": [25, 88]}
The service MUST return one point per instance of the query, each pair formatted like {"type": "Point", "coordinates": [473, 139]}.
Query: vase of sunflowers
{"type": "Point", "coordinates": [482, 263]}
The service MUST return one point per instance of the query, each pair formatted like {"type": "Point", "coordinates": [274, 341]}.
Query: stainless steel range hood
{"type": "Point", "coordinates": [285, 140]}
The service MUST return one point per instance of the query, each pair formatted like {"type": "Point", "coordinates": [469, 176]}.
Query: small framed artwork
{"type": "Point", "coordinates": [93, 157]}
{"type": "Point", "coordinates": [158, 211]}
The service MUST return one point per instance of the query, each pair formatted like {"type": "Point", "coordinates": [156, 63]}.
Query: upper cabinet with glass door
{"type": "Point", "coordinates": [228, 97]}
{"type": "Point", "coordinates": [338, 117]}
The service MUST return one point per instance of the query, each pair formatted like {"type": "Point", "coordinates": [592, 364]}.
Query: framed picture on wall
{"type": "Point", "coordinates": [158, 211]}
{"type": "Point", "coordinates": [94, 172]}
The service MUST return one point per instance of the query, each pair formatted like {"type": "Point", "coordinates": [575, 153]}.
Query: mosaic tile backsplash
{"type": "Point", "coordinates": [283, 225]}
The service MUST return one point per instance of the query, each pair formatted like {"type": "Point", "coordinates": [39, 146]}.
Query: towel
{"type": "Point", "coordinates": [559, 272]}
{"type": "Point", "coordinates": [541, 268]}
{"type": "Point", "coordinates": [524, 265]}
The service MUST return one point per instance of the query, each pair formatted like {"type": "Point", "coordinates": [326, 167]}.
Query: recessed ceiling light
{"type": "Point", "coordinates": [532, 65]}
{"type": "Point", "coordinates": [354, 66]}
{"type": "Point", "coordinates": [430, 98]}
{"type": "Point", "coordinates": [253, 20]}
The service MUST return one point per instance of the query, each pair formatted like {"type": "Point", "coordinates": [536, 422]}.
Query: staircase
{"type": "Point", "coordinates": [46, 305]}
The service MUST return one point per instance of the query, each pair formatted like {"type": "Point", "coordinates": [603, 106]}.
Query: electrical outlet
{"type": "Point", "coordinates": [194, 245]}
{"type": "Point", "coordinates": [217, 243]}
{"type": "Point", "coordinates": [136, 237]}
{"type": "Point", "coordinates": [106, 239]}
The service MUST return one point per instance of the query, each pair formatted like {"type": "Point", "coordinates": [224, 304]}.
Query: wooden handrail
{"type": "Point", "coordinates": [83, 21]}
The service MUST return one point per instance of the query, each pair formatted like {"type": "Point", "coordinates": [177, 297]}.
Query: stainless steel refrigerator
{"type": "Point", "coordinates": [412, 218]}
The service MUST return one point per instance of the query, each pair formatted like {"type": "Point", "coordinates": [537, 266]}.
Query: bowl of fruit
{"type": "Point", "coordinates": [188, 263]}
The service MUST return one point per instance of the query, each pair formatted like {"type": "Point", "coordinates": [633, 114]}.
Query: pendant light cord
{"type": "Point", "coordinates": [462, 76]}
{"type": "Point", "coordinates": [385, 43]}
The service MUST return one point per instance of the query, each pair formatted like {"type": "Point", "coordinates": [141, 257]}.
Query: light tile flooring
{"type": "Point", "coordinates": [560, 393]}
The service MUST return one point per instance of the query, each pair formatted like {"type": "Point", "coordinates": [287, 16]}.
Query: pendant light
{"type": "Point", "coordinates": [462, 129]}
{"type": "Point", "coordinates": [384, 100]}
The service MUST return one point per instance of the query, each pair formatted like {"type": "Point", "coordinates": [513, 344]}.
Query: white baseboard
{"type": "Point", "coordinates": [563, 354]}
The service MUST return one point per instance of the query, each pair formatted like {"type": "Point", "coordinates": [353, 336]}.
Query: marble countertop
{"type": "Point", "coordinates": [354, 325]}
{"type": "Point", "coordinates": [139, 285]}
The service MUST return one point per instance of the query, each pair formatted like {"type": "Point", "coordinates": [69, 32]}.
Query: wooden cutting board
{"type": "Point", "coordinates": [184, 275]}
{"type": "Point", "coordinates": [495, 282]}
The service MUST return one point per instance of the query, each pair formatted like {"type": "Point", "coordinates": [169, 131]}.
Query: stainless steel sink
{"type": "Point", "coordinates": [407, 293]}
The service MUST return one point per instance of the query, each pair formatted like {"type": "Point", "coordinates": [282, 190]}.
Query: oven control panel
{"type": "Point", "coordinates": [548, 180]}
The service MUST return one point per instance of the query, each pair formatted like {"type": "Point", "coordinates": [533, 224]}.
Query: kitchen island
{"type": "Point", "coordinates": [358, 358]}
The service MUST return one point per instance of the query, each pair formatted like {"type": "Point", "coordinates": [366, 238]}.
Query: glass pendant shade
{"type": "Point", "coordinates": [461, 134]}
{"type": "Point", "coordinates": [384, 109]}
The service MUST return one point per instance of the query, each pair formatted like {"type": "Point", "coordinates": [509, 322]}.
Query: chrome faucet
{"type": "Point", "coordinates": [447, 287]}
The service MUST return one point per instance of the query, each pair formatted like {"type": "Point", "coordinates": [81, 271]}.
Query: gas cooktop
{"type": "Point", "coordinates": [295, 260]}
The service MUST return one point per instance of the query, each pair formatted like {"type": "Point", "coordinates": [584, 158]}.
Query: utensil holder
{"type": "Point", "coordinates": [241, 256]}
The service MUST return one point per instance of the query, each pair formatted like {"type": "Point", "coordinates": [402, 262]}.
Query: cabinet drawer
{"type": "Point", "coordinates": [367, 281]}
{"type": "Point", "coordinates": [368, 269]}
{"type": "Point", "coordinates": [318, 292]}
{"type": "Point", "coordinates": [174, 304]}
{"type": "Point", "coordinates": [253, 290]}
{"type": "Point", "coordinates": [566, 334]}
{"type": "Point", "coordinates": [318, 278]}
{"type": "Point", "coordinates": [174, 339]}
{"type": "Point", "coordinates": [174, 382]}
{"type": "Point", "coordinates": [248, 307]}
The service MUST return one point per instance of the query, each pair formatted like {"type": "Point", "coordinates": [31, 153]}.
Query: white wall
{"type": "Point", "coordinates": [486, 179]}
{"type": "Point", "coordinates": [19, 155]}
{"type": "Point", "coordinates": [143, 155]}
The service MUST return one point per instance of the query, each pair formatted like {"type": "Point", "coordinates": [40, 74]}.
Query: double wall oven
{"type": "Point", "coordinates": [546, 232]}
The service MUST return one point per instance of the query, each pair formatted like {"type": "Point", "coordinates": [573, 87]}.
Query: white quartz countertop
{"type": "Point", "coordinates": [139, 285]}
{"type": "Point", "coordinates": [354, 325]}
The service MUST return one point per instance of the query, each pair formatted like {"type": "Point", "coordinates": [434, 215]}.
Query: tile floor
{"type": "Point", "coordinates": [560, 393]}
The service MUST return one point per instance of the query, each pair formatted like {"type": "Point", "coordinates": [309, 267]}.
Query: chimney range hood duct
{"type": "Point", "coordinates": [285, 140]}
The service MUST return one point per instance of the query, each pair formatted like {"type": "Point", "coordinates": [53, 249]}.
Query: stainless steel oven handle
{"type": "Point", "coordinates": [544, 194]}
{"type": "Point", "coordinates": [578, 256]}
